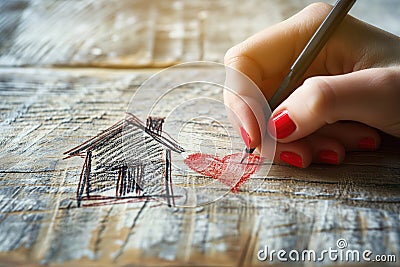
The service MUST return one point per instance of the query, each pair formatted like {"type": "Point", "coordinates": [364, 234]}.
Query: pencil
{"type": "Point", "coordinates": [308, 55]}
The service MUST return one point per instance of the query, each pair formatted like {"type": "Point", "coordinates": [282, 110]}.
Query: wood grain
{"type": "Point", "coordinates": [142, 33]}
{"type": "Point", "coordinates": [49, 104]}
{"type": "Point", "coordinates": [46, 112]}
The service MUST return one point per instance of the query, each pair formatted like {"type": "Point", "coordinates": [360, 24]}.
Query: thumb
{"type": "Point", "coordinates": [370, 96]}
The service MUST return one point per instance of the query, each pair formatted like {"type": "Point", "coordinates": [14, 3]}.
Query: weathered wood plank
{"type": "Point", "coordinates": [47, 112]}
{"type": "Point", "coordinates": [124, 33]}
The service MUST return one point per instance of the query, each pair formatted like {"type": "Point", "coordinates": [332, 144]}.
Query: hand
{"type": "Point", "coordinates": [351, 89]}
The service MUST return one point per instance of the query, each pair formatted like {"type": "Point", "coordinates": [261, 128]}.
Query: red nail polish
{"type": "Point", "coordinates": [291, 158]}
{"type": "Point", "coordinates": [246, 137]}
{"type": "Point", "coordinates": [328, 156]}
{"type": "Point", "coordinates": [282, 124]}
{"type": "Point", "coordinates": [367, 143]}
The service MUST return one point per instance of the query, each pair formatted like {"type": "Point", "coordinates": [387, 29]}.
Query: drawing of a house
{"type": "Point", "coordinates": [129, 160]}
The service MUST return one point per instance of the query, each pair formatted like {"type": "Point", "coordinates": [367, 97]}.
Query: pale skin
{"type": "Point", "coordinates": [351, 90]}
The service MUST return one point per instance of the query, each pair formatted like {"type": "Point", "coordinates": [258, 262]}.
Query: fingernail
{"type": "Point", "coordinates": [246, 137]}
{"type": "Point", "coordinates": [282, 124]}
{"type": "Point", "coordinates": [367, 143]}
{"type": "Point", "coordinates": [291, 158]}
{"type": "Point", "coordinates": [328, 156]}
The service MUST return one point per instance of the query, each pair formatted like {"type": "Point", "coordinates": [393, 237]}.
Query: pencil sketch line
{"type": "Point", "coordinates": [88, 169]}
{"type": "Point", "coordinates": [167, 174]}
{"type": "Point", "coordinates": [93, 140]}
{"type": "Point", "coordinates": [129, 158]}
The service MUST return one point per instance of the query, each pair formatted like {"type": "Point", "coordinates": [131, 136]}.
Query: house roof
{"type": "Point", "coordinates": [131, 120]}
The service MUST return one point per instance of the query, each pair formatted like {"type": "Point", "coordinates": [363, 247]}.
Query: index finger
{"type": "Point", "coordinates": [265, 59]}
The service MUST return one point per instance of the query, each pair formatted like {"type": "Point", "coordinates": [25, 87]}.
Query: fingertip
{"type": "Point", "coordinates": [281, 125]}
{"type": "Point", "coordinates": [291, 158]}
{"type": "Point", "coordinates": [302, 113]}
{"type": "Point", "coordinates": [246, 114]}
{"type": "Point", "coordinates": [246, 137]}
{"type": "Point", "coordinates": [247, 123]}
{"type": "Point", "coordinates": [370, 140]}
{"type": "Point", "coordinates": [326, 150]}
{"type": "Point", "coordinates": [354, 136]}
{"type": "Point", "coordinates": [297, 154]}
{"type": "Point", "coordinates": [328, 156]}
{"type": "Point", "coordinates": [367, 143]}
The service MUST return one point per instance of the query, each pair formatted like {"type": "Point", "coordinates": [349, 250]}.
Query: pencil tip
{"type": "Point", "coordinates": [249, 150]}
{"type": "Point", "coordinates": [246, 153]}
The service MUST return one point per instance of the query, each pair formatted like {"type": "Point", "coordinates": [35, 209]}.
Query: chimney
{"type": "Point", "coordinates": [155, 124]}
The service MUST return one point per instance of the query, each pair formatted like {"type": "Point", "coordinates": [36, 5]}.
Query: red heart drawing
{"type": "Point", "coordinates": [227, 170]}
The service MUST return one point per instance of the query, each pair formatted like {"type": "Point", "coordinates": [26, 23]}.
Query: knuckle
{"type": "Point", "coordinates": [315, 13]}
{"type": "Point", "coordinates": [388, 81]}
{"type": "Point", "coordinates": [388, 102]}
{"type": "Point", "coordinates": [309, 19]}
{"type": "Point", "coordinates": [318, 7]}
{"type": "Point", "coordinates": [232, 54]}
{"type": "Point", "coordinates": [387, 77]}
{"type": "Point", "coordinates": [237, 54]}
{"type": "Point", "coordinates": [322, 101]}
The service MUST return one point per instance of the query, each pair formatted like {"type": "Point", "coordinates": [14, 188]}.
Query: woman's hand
{"type": "Point", "coordinates": [351, 89]}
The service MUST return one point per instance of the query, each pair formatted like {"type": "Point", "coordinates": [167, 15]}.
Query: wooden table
{"type": "Point", "coordinates": [59, 88]}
